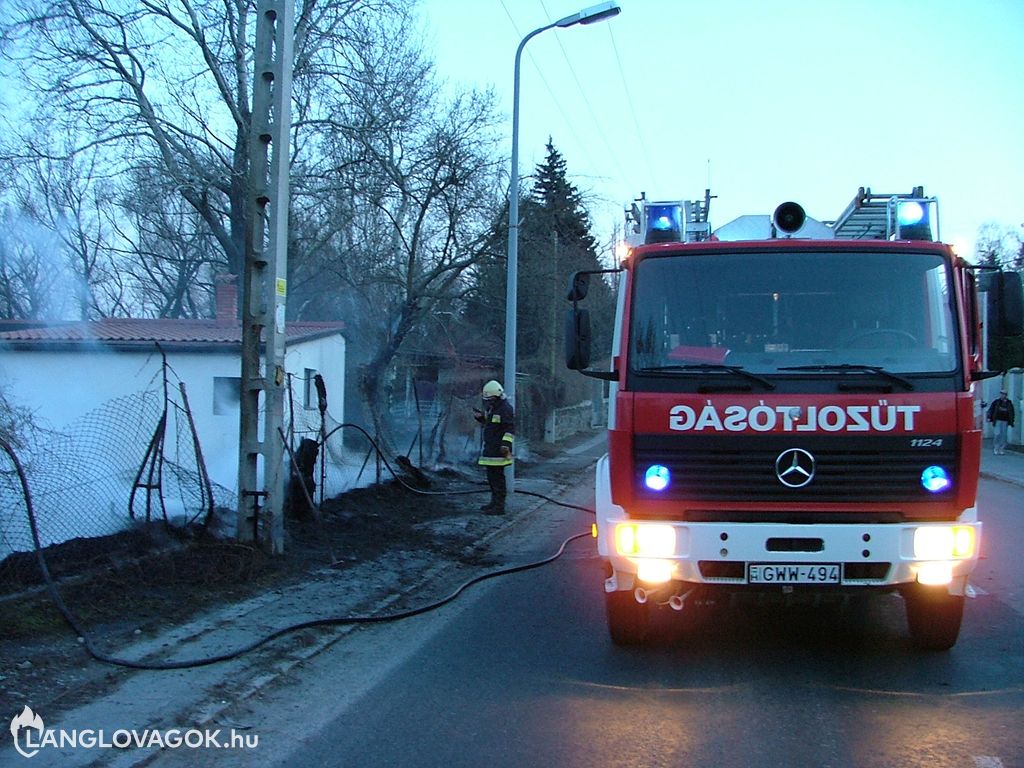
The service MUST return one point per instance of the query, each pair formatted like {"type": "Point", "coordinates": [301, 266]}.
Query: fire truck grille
{"type": "Point", "coordinates": [794, 468]}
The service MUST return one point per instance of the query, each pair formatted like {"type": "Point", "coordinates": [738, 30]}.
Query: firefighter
{"type": "Point", "coordinates": [498, 422]}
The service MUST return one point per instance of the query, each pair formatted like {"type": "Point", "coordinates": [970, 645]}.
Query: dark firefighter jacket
{"type": "Point", "coordinates": [499, 429]}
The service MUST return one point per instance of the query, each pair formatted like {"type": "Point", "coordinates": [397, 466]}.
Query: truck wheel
{"type": "Point", "coordinates": [934, 617]}
{"type": "Point", "coordinates": [628, 620]}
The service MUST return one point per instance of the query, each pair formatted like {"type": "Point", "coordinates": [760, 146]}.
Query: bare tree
{"type": "Point", "coordinates": [166, 85]}
{"type": "Point", "coordinates": [170, 255]}
{"type": "Point", "coordinates": [404, 209]}
{"type": "Point", "coordinates": [395, 185]}
{"type": "Point", "coordinates": [28, 278]}
{"type": "Point", "coordinates": [68, 198]}
{"type": "Point", "coordinates": [999, 245]}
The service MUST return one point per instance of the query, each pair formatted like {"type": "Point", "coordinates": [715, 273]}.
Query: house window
{"type": "Point", "coordinates": [227, 393]}
{"type": "Point", "coordinates": [309, 398]}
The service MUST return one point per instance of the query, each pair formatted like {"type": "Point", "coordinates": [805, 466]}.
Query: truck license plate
{"type": "Point", "coordinates": [793, 573]}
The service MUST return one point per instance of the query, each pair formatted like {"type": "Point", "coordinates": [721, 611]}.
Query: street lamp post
{"type": "Point", "coordinates": [589, 15]}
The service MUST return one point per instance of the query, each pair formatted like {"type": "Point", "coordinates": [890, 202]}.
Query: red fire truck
{"type": "Point", "coordinates": [791, 410]}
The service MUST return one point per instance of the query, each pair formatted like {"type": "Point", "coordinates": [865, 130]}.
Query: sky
{"type": "Point", "coordinates": [760, 101]}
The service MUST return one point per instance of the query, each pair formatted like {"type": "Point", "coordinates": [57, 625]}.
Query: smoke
{"type": "Point", "coordinates": [35, 264]}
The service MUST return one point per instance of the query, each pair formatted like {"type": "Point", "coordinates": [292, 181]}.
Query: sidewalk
{"type": "Point", "coordinates": [1009, 468]}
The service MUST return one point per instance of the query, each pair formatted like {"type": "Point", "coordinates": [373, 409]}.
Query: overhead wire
{"type": "Point", "coordinates": [583, 94]}
{"type": "Point", "coordinates": [632, 108]}
{"type": "Point", "coordinates": [547, 86]}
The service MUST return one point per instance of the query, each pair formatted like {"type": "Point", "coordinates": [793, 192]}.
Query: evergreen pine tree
{"type": "Point", "coordinates": [555, 240]}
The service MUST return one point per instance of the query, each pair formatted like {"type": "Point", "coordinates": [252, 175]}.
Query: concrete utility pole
{"type": "Point", "coordinates": [261, 468]}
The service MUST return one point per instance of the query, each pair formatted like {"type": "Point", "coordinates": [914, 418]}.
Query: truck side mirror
{"type": "Point", "coordinates": [579, 286]}
{"type": "Point", "coordinates": [1005, 305]}
{"type": "Point", "coordinates": [577, 339]}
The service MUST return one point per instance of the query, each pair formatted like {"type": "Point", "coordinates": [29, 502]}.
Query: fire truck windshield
{"type": "Point", "coordinates": [793, 313]}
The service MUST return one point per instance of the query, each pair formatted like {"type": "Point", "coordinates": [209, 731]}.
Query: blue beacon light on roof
{"type": "Point", "coordinates": [911, 212]}
{"type": "Point", "coordinates": [664, 223]}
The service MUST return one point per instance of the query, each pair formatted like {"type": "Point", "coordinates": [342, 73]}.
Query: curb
{"type": "Point", "coordinates": [989, 475]}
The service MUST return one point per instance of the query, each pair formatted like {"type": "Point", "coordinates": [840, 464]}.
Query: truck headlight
{"type": "Point", "coordinates": [944, 542]}
{"type": "Point", "coordinates": [645, 539]}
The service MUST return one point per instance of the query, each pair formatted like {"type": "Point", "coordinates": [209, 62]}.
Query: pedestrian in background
{"type": "Point", "coordinates": [1001, 417]}
{"type": "Point", "coordinates": [498, 421]}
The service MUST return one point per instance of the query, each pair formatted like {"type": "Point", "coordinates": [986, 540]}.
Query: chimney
{"type": "Point", "coordinates": [226, 299]}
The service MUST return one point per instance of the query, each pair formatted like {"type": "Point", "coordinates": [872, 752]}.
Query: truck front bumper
{"type": "Point", "coordinates": [781, 554]}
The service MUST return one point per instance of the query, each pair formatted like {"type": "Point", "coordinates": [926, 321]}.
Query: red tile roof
{"type": "Point", "coordinates": [137, 332]}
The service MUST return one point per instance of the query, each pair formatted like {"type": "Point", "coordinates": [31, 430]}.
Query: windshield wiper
{"type": "Point", "coordinates": [738, 370]}
{"type": "Point", "coordinates": [842, 367]}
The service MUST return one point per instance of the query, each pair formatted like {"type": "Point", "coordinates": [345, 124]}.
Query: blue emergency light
{"type": "Point", "coordinates": [664, 223]}
{"type": "Point", "coordinates": [935, 479]}
{"type": "Point", "coordinates": [910, 212]}
{"type": "Point", "coordinates": [913, 220]}
{"type": "Point", "coordinates": [657, 477]}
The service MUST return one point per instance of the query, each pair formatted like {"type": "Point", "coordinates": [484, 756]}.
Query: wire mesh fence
{"type": "Point", "coordinates": [137, 461]}
{"type": "Point", "coordinates": [133, 461]}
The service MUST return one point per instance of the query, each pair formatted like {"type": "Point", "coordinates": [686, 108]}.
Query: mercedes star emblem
{"type": "Point", "coordinates": [794, 467]}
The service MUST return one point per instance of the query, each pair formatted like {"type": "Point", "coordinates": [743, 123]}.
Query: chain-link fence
{"type": "Point", "coordinates": [102, 483]}
{"type": "Point", "coordinates": [134, 460]}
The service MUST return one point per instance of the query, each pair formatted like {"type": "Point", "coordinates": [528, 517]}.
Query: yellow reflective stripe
{"type": "Point", "coordinates": [508, 438]}
{"type": "Point", "coordinates": [494, 461]}
{"type": "Point", "coordinates": [496, 418]}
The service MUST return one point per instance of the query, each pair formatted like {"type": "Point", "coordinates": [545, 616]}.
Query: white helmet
{"type": "Point", "coordinates": [493, 389]}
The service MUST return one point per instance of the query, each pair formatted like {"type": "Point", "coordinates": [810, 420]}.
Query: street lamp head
{"type": "Point", "coordinates": [591, 15]}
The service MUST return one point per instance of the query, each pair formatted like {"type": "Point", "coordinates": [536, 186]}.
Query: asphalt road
{"type": "Point", "coordinates": [521, 673]}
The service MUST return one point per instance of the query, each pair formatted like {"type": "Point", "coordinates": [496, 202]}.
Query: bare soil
{"type": "Point", "coordinates": [141, 583]}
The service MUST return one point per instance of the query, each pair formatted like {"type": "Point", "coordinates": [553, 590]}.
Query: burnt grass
{"type": "Point", "coordinates": [150, 578]}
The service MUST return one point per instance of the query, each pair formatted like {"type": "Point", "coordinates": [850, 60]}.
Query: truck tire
{"type": "Point", "coordinates": [934, 617]}
{"type": "Point", "coordinates": [628, 620]}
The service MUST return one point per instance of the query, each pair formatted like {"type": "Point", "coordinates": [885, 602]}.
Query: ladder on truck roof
{"type": "Point", "coordinates": [872, 216]}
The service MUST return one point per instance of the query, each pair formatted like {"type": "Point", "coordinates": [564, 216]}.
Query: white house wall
{"type": "Point", "coordinates": [60, 387]}
{"type": "Point", "coordinates": [326, 357]}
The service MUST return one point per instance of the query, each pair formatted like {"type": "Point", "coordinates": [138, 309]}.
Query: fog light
{"type": "Point", "coordinates": [654, 571]}
{"type": "Point", "coordinates": [934, 574]}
